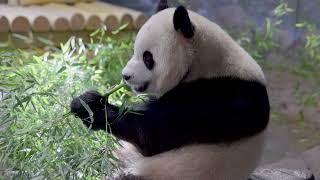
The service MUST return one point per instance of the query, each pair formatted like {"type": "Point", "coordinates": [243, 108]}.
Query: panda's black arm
{"type": "Point", "coordinates": [97, 105]}
{"type": "Point", "coordinates": [223, 113]}
{"type": "Point", "coordinates": [126, 126]}
{"type": "Point", "coordinates": [143, 127]}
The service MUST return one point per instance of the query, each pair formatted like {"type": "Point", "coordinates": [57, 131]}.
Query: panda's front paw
{"type": "Point", "coordinates": [96, 103]}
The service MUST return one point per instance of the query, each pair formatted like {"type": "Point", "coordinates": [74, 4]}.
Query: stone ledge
{"type": "Point", "coordinates": [304, 167]}
{"type": "Point", "coordinates": [62, 17]}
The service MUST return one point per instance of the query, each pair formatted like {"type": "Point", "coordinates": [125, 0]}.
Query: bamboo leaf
{"type": "Point", "coordinates": [86, 106]}
{"type": "Point", "coordinates": [19, 103]}
{"type": "Point", "coordinates": [122, 27]}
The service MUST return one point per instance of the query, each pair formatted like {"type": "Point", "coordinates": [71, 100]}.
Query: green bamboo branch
{"type": "Point", "coordinates": [114, 89]}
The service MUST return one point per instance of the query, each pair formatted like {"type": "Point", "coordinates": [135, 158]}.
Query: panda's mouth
{"type": "Point", "coordinates": [142, 88]}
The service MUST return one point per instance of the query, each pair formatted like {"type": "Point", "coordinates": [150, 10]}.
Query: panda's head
{"type": "Point", "coordinates": [163, 52]}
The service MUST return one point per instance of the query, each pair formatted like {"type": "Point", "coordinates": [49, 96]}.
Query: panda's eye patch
{"type": "Point", "coordinates": [148, 60]}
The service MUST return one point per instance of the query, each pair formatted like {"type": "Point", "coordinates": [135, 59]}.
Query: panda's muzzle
{"type": "Point", "coordinates": [142, 88]}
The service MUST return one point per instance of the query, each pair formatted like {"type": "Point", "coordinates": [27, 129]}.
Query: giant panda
{"type": "Point", "coordinates": [209, 112]}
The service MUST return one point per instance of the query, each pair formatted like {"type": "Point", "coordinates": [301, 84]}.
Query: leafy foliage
{"type": "Point", "coordinates": [261, 42]}
{"type": "Point", "coordinates": [38, 137]}
{"type": "Point", "coordinates": [282, 9]}
{"type": "Point", "coordinates": [311, 51]}
{"type": "Point", "coordinates": [258, 43]}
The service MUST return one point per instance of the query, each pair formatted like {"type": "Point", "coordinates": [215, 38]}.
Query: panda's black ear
{"type": "Point", "coordinates": [163, 4]}
{"type": "Point", "coordinates": [182, 22]}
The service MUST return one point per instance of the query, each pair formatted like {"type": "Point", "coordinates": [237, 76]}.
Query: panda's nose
{"type": "Point", "coordinates": [126, 77]}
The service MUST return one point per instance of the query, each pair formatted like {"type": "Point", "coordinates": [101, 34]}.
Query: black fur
{"type": "Point", "coordinates": [97, 104]}
{"type": "Point", "coordinates": [218, 110]}
{"type": "Point", "coordinates": [148, 60]}
{"type": "Point", "coordinates": [182, 22]}
{"type": "Point", "coordinates": [163, 4]}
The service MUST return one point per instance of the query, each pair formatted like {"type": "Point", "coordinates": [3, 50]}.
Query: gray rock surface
{"type": "Point", "coordinates": [312, 160]}
{"type": "Point", "coordinates": [289, 163]}
{"type": "Point", "coordinates": [304, 167]}
{"type": "Point", "coordinates": [281, 174]}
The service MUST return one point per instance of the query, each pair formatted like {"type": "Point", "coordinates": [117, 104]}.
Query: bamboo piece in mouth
{"type": "Point", "coordinates": [114, 89]}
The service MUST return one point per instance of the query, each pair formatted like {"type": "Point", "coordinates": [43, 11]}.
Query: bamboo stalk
{"type": "Point", "coordinates": [114, 89]}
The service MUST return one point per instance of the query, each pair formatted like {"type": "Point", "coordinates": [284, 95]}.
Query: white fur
{"type": "Point", "coordinates": [210, 53]}
{"type": "Point", "coordinates": [206, 162]}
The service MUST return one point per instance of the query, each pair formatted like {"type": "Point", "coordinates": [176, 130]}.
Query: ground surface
{"type": "Point", "coordinates": [295, 119]}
